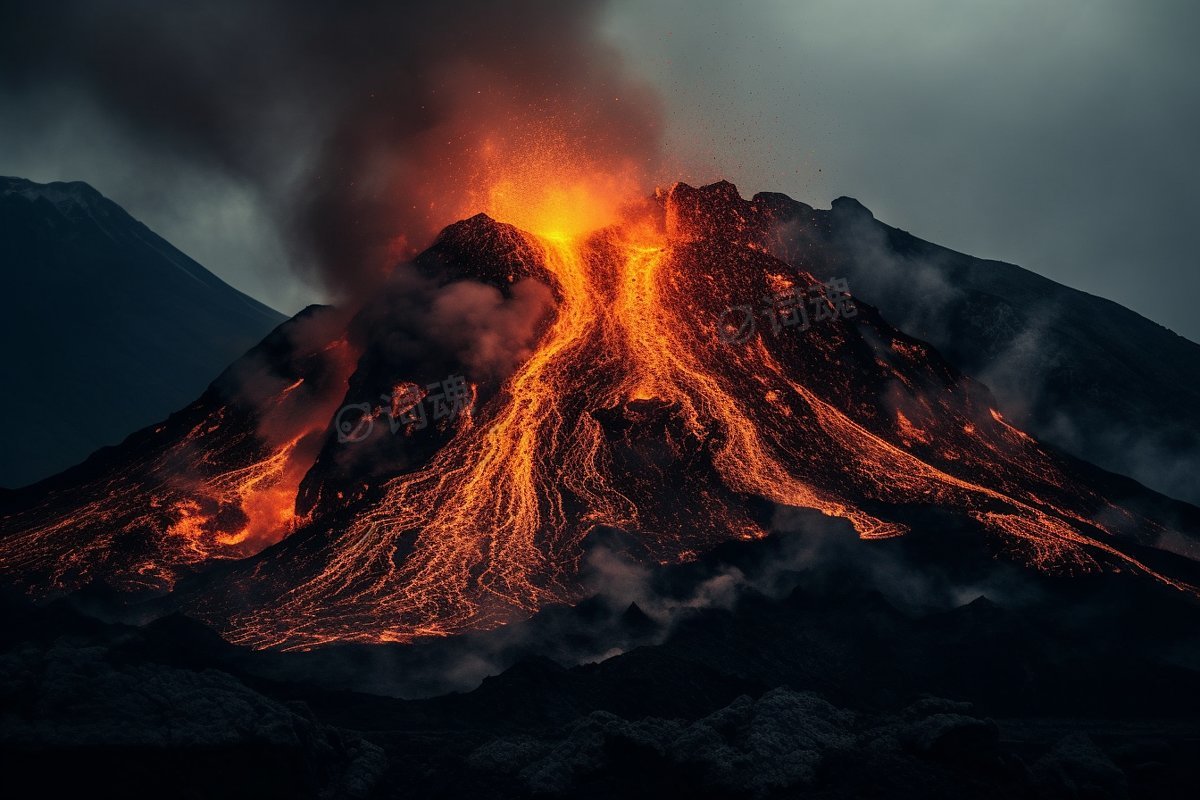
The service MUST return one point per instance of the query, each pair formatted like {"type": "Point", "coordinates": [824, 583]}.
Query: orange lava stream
{"type": "Point", "coordinates": [666, 363]}
{"type": "Point", "coordinates": [178, 506]}
{"type": "Point", "coordinates": [485, 517]}
{"type": "Point", "coordinates": [264, 492]}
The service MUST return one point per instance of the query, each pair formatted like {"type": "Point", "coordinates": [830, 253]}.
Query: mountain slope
{"type": "Point", "coordinates": [110, 328]}
{"type": "Point", "coordinates": [1079, 371]}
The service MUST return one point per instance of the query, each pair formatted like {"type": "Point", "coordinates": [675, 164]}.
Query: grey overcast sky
{"type": "Point", "coordinates": [1060, 136]}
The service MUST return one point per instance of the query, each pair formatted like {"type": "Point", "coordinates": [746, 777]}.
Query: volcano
{"type": "Point", "coordinates": [439, 460]}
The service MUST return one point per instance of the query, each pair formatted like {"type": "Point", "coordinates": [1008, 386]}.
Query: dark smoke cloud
{"type": "Point", "coordinates": [422, 328]}
{"type": "Point", "coordinates": [492, 335]}
{"type": "Point", "coordinates": [365, 127]}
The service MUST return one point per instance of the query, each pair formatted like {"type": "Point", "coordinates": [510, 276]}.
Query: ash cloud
{"type": "Point", "coordinates": [491, 335]}
{"type": "Point", "coordinates": [464, 325]}
{"type": "Point", "coordinates": [363, 127]}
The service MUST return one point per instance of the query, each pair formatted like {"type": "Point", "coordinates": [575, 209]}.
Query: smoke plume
{"type": "Point", "coordinates": [365, 126]}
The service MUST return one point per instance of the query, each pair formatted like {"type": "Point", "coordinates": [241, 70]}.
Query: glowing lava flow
{"type": "Point", "coordinates": [185, 521]}
{"type": "Point", "coordinates": [493, 525]}
{"type": "Point", "coordinates": [216, 482]}
{"type": "Point", "coordinates": [486, 516]}
{"type": "Point", "coordinates": [666, 362]}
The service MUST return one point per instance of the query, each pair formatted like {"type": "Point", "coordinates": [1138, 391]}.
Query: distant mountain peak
{"type": "Point", "coordinates": [62, 194]}
{"type": "Point", "coordinates": [73, 201]}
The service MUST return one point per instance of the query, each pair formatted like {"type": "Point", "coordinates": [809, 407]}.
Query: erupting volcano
{"type": "Point", "coordinates": [632, 405]}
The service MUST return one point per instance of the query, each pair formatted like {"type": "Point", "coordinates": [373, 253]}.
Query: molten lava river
{"type": "Point", "coordinates": [635, 412]}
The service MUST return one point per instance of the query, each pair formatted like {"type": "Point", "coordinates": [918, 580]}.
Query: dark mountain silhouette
{"type": "Point", "coordinates": [1083, 373]}
{"type": "Point", "coordinates": [109, 328]}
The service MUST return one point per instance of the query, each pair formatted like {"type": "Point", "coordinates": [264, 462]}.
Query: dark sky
{"type": "Point", "coordinates": [1058, 136]}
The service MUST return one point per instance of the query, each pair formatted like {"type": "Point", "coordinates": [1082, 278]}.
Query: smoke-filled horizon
{"type": "Point", "coordinates": [298, 149]}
